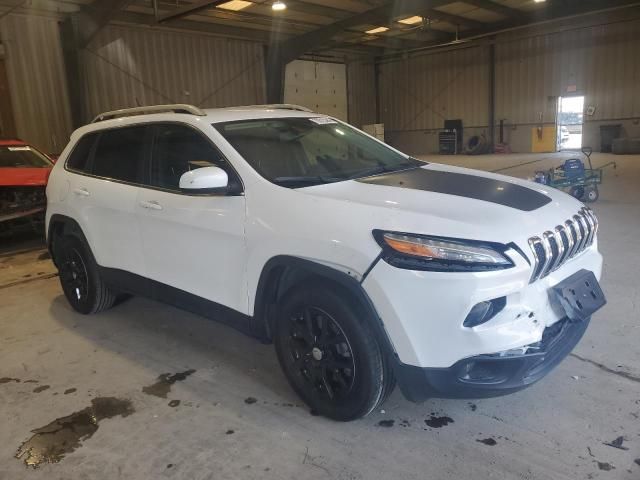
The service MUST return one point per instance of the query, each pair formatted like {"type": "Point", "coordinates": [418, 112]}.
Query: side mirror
{"type": "Point", "coordinates": [204, 180]}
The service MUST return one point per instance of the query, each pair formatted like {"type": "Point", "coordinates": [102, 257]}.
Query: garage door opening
{"type": "Point", "coordinates": [570, 119]}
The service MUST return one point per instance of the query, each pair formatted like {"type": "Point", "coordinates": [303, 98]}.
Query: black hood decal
{"type": "Point", "coordinates": [464, 185]}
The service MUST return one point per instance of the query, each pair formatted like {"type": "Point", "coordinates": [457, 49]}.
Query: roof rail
{"type": "Point", "coordinates": [126, 112]}
{"type": "Point", "coordinates": [280, 106]}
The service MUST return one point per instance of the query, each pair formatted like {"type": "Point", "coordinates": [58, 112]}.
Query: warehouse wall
{"type": "Point", "coordinates": [128, 66]}
{"type": "Point", "coordinates": [123, 67]}
{"type": "Point", "coordinates": [598, 61]}
{"type": "Point", "coordinates": [361, 93]}
{"type": "Point", "coordinates": [35, 70]}
{"type": "Point", "coordinates": [418, 94]}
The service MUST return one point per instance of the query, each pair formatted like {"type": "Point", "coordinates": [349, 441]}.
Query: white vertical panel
{"type": "Point", "coordinates": [319, 86]}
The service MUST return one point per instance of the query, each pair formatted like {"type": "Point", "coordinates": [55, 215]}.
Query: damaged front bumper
{"type": "Point", "coordinates": [493, 375]}
{"type": "Point", "coordinates": [20, 204]}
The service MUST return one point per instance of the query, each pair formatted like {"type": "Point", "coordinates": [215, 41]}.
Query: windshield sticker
{"type": "Point", "coordinates": [19, 149]}
{"type": "Point", "coordinates": [323, 120]}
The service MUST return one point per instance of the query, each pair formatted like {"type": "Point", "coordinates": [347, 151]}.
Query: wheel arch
{"type": "Point", "coordinates": [59, 226]}
{"type": "Point", "coordinates": [282, 272]}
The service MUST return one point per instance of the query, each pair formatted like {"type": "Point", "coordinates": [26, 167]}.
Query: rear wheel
{"type": "Point", "coordinates": [79, 277]}
{"type": "Point", "coordinates": [577, 192]}
{"type": "Point", "coordinates": [329, 354]}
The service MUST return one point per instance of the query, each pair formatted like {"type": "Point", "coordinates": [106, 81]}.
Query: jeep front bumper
{"type": "Point", "coordinates": [436, 356]}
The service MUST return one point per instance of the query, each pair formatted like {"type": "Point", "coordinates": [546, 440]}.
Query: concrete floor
{"type": "Point", "coordinates": [558, 429]}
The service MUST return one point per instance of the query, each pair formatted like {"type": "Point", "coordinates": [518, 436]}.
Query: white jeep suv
{"type": "Point", "coordinates": [365, 267]}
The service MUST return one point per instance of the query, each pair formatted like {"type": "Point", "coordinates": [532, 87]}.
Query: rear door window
{"type": "Point", "coordinates": [120, 154]}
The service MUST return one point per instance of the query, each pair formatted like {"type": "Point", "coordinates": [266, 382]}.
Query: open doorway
{"type": "Point", "coordinates": [570, 119]}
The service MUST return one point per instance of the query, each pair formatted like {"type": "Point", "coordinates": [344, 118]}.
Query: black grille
{"type": "Point", "coordinates": [555, 247]}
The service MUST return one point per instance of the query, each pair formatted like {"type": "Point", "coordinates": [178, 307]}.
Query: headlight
{"type": "Point", "coordinates": [422, 252]}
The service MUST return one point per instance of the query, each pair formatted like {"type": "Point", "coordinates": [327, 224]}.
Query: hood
{"type": "Point", "coordinates": [456, 202]}
{"type": "Point", "coordinates": [24, 177]}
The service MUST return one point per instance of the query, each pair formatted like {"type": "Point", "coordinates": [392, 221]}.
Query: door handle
{"type": "Point", "coordinates": [151, 205]}
{"type": "Point", "coordinates": [82, 192]}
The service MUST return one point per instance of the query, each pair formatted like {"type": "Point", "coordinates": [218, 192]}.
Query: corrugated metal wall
{"type": "Point", "coordinates": [602, 63]}
{"type": "Point", "coordinates": [421, 92]}
{"type": "Point", "coordinates": [361, 84]}
{"type": "Point", "coordinates": [35, 70]}
{"type": "Point", "coordinates": [129, 66]}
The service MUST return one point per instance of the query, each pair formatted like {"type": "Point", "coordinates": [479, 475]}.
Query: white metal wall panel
{"type": "Point", "coordinates": [37, 81]}
{"type": "Point", "coordinates": [129, 66]}
{"type": "Point", "coordinates": [319, 86]}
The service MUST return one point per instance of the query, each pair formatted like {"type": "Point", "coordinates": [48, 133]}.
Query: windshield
{"type": "Point", "coordinates": [300, 152]}
{"type": "Point", "coordinates": [22, 156]}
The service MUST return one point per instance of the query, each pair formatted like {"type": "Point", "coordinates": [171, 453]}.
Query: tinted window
{"type": "Point", "coordinates": [120, 154]}
{"type": "Point", "coordinates": [178, 149]}
{"type": "Point", "coordinates": [79, 157]}
{"type": "Point", "coordinates": [22, 156]}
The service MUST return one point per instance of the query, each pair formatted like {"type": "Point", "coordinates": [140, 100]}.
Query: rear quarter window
{"type": "Point", "coordinates": [79, 158]}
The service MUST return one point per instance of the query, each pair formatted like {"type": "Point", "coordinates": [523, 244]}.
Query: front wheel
{"type": "Point", "coordinates": [591, 195]}
{"type": "Point", "coordinates": [329, 353]}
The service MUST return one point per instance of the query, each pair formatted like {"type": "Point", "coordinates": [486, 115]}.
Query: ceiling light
{"type": "Point", "coordinates": [235, 5]}
{"type": "Point", "coordinates": [539, 1]}
{"type": "Point", "coordinates": [376, 30]}
{"type": "Point", "coordinates": [279, 6]}
{"type": "Point", "coordinates": [411, 20]}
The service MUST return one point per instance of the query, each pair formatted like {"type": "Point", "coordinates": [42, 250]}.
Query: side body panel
{"type": "Point", "coordinates": [196, 244]}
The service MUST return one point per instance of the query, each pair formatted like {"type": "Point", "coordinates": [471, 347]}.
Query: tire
{"type": "Point", "coordinates": [577, 192]}
{"type": "Point", "coordinates": [79, 277]}
{"type": "Point", "coordinates": [330, 355]}
{"type": "Point", "coordinates": [591, 195]}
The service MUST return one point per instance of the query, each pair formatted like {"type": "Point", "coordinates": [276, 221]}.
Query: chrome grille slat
{"type": "Point", "coordinates": [554, 248]}
{"type": "Point", "coordinates": [592, 224]}
{"type": "Point", "coordinates": [584, 231]}
{"type": "Point", "coordinates": [579, 232]}
{"type": "Point", "coordinates": [546, 244]}
{"type": "Point", "coordinates": [560, 246]}
{"type": "Point", "coordinates": [572, 242]}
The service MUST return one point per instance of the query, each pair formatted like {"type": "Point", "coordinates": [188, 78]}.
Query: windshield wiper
{"type": "Point", "coordinates": [294, 182]}
{"type": "Point", "coordinates": [384, 169]}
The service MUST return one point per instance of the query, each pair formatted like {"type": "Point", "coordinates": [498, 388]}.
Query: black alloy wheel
{"type": "Point", "coordinates": [321, 353]}
{"type": "Point", "coordinates": [329, 352]}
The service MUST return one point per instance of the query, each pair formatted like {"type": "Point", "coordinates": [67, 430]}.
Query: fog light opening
{"type": "Point", "coordinates": [484, 311]}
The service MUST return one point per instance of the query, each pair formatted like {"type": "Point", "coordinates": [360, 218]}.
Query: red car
{"type": "Point", "coordinates": [24, 172]}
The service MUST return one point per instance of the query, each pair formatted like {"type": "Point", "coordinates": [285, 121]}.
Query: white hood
{"type": "Point", "coordinates": [403, 206]}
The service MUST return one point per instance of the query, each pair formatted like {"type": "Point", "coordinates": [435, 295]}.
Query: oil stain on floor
{"type": "Point", "coordinates": [438, 422]}
{"type": "Point", "coordinates": [51, 443]}
{"type": "Point", "coordinates": [163, 385]}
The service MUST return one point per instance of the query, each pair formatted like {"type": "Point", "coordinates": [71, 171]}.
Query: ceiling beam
{"type": "Point", "coordinates": [296, 46]}
{"type": "Point", "coordinates": [552, 11]}
{"type": "Point", "coordinates": [254, 34]}
{"type": "Point", "coordinates": [496, 7]}
{"type": "Point", "coordinates": [449, 18]}
{"type": "Point", "coordinates": [190, 9]}
{"type": "Point", "coordinates": [94, 17]}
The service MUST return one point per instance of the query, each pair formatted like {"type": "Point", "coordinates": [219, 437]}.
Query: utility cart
{"type": "Point", "coordinates": [572, 177]}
